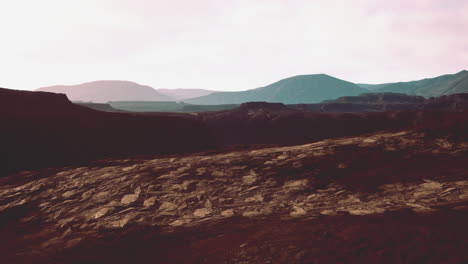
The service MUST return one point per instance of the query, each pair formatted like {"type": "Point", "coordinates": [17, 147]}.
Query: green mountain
{"type": "Point", "coordinates": [295, 90]}
{"type": "Point", "coordinates": [442, 85]}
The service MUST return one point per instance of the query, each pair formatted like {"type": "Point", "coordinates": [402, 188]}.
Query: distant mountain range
{"type": "Point", "coordinates": [298, 89]}
{"type": "Point", "coordinates": [104, 91]}
{"type": "Point", "coordinates": [441, 85]}
{"type": "Point", "coordinates": [319, 87]}
{"type": "Point", "coordinates": [302, 89]}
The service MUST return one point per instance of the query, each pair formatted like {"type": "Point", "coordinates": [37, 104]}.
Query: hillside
{"type": "Point", "coordinates": [441, 85]}
{"type": "Point", "coordinates": [299, 89]}
{"type": "Point", "coordinates": [104, 91]}
{"type": "Point", "coordinates": [182, 94]}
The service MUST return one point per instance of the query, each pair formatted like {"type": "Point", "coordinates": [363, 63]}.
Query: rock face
{"type": "Point", "coordinates": [283, 204]}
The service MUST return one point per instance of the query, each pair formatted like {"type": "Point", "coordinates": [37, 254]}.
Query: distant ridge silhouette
{"type": "Point", "coordinates": [104, 91]}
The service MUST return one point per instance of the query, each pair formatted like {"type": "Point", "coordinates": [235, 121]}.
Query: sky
{"type": "Point", "coordinates": [228, 44]}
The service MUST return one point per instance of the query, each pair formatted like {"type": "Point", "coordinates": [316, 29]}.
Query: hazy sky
{"type": "Point", "coordinates": [228, 44]}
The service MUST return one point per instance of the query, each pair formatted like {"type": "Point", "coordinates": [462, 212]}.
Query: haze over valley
{"type": "Point", "coordinates": [304, 89]}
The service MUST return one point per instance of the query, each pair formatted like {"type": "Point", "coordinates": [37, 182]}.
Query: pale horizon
{"type": "Point", "coordinates": [428, 77]}
{"type": "Point", "coordinates": [231, 46]}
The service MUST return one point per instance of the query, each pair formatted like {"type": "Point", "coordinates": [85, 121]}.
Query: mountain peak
{"type": "Point", "coordinates": [311, 76]}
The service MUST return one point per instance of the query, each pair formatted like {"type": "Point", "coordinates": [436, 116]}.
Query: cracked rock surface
{"type": "Point", "coordinates": [275, 205]}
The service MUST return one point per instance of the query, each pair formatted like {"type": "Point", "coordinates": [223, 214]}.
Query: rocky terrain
{"type": "Point", "coordinates": [376, 198]}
